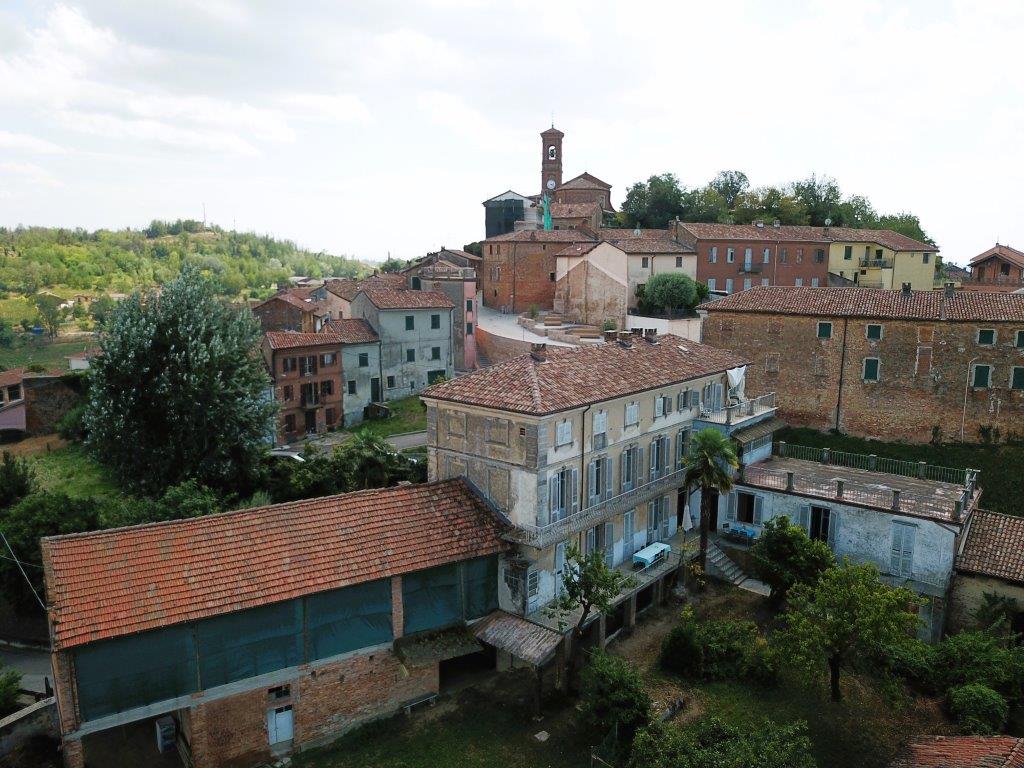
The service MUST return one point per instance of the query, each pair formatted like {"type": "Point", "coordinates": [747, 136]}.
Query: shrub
{"type": "Point", "coordinates": [17, 479]}
{"type": "Point", "coordinates": [609, 325]}
{"type": "Point", "coordinates": [718, 650]}
{"type": "Point", "coordinates": [978, 709]}
{"type": "Point", "coordinates": [614, 697]}
{"type": "Point", "coordinates": [978, 657]}
{"type": "Point", "coordinates": [785, 555]}
{"type": "Point", "coordinates": [10, 683]}
{"type": "Point", "coordinates": [713, 742]}
{"type": "Point", "coordinates": [71, 425]}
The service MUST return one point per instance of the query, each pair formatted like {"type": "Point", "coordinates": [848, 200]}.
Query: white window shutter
{"type": "Point", "coordinates": [731, 514]}
{"type": "Point", "coordinates": [591, 544]}
{"type": "Point", "coordinates": [607, 478]}
{"type": "Point", "coordinates": [639, 455]}
{"type": "Point", "coordinates": [652, 458]}
{"type": "Point", "coordinates": [833, 528]}
{"type": "Point", "coordinates": [805, 518]}
{"type": "Point", "coordinates": [554, 493]}
{"type": "Point", "coordinates": [909, 534]}
{"type": "Point", "coordinates": [666, 453]}
{"type": "Point", "coordinates": [575, 490]}
{"type": "Point", "coordinates": [623, 473]}
{"type": "Point", "coordinates": [758, 509]}
{"type": "Point", "coordinates": [592, 481]}
{"type": "Point", "coordinates": [609, 543]}
{"type": "Point", "coordinates": [897, 548]}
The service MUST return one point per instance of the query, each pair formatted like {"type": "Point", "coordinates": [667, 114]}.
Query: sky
{"type": "Point", "coordinates": [371, 129]}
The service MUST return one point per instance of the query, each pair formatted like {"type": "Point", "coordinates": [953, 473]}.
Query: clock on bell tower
{"type": "Point", "coordinates": [551, 159]}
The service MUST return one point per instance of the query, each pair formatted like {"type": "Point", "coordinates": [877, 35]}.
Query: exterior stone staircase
{"type": "Point", "coordinates": [720, 566]}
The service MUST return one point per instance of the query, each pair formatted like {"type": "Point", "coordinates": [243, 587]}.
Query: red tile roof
{"type": "Point", "coordinates": [386, 297]}
{"type": "Point", "coordinates": [964, 752]}
{"type": "Point", "coordinates": [994, 546]}
{"type": "Point", "coordinates": [585, 181]}
{"type": "Point", "coordinates": [965, 306]}
{"type": "Point", "coordinates": [577, 249]}
{"type": "Point", "coordinates": [570, 377]}
{"type": "Point", "coordinates": [573, 210]}
{"type": "Point", "coordinates": [12, 376]}
{"type": "Point", "coordinates": [768, 233]}
{"type": "Point", "coordinates": [295, 301]}
{"type": "Point", "coordinates": [111, 583]}
{"type": "Point", "coordinates": [543, 236]}
{"type": "Point", "coordinates": [1004, 252]}
{"type": "Point", "coordinates": [353, 331]}
{"type": "Point", "coordinates": [292, 339]}
{"type": "Point", "coordinates": [649, 241]}
{"type": "Point", "coordinates": [348, 287]}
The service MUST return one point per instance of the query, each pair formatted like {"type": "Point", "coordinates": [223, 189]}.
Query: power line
{"type": "Point", "coordinates": [27, 579]}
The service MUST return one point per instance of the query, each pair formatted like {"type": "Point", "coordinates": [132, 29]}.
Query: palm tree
{"type": "Point", "coordinates": [709, 466]}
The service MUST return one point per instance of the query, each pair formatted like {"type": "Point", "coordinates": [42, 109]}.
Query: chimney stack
{"type": "Point", "coordinates": [906, 289]}
{"type": "Point", "coordinates": [949, 289]}
{"type": "Point", "coordinates": [625, 338]}
{"type": "Point", "coordinates": [610, 335]}
{"type": "Point", "coordinates": [759, 224]}
{"type": "Point", "coordinates": [538, 352]}
{"type": "Point", "coordinates": [651, 335]}
{"type": "Point", "coordinates": [776, 223]}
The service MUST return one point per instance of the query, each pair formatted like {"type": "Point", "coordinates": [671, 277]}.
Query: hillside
{"type": "Point", "coordinates": [67, 262]}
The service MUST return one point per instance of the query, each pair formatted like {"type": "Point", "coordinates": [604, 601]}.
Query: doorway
{"type": "Point", "coordinates": [280, 725]}
{"type": "Point", "coordinates": [819, 524]}
{"type": "Point", "coordinates": [375, 390]}
{"type": "Point", "coordinates": [310, 422]}
{"type": "Point", "coordinates": [713, 508]}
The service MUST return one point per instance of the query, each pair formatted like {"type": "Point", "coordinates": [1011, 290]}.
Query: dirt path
{"type": "Point", "coordinates": [33, 445]}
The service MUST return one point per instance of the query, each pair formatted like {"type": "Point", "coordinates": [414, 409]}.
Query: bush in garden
{"type": "Point", "coordinates": [978, 709]}
{"type": "Point", "coordinates": [614, 697]}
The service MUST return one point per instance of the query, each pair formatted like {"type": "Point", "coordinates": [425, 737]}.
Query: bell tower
{"type": "Point", "coordinates": [551, 160]}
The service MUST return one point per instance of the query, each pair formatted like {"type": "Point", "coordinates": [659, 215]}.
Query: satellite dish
{"type": "Point", "coordinates": [828, 222]}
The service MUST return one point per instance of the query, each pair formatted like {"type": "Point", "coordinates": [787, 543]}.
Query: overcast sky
{"type": "Point", "coordinates": [373, 127]}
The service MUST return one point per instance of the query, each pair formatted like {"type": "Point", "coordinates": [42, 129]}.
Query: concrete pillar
{"type": "Point", "coordinates": [825, 454]}
{"type": "Point", "coordinates": [630, 618]}
{"type": "Point", "coordinates": [922, 467]}
{"type": "Point", "coordinates": [602, 631]}
{"type": "Point", "coordinates": [74, 753]}
{"type": "Point", "coordinates": [872, 461]}
{"type": "Point", "coordinates": [839, 488]}
{"type": "Point", "coordinates": [895, 500]}
{"type": "Point", "coordinates": [782, 448]}
{"type": "Point", "coordinates": [397, 613]}
{"type": "Point", "coordinates": [789, 481]}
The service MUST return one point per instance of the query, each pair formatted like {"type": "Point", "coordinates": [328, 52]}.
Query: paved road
{"type": "Point", "coordinates": [408, 440]}
{"type": "Point", "coordinates": [33, 665]}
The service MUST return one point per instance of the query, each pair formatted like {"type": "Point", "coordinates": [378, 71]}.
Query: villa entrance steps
{"type": "Point", "coordinates": [722, 567]}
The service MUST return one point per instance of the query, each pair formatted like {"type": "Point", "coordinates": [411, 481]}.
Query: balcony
{"type": "Point", "coordinates": [876, 263]}
{"type": "Point", "coordinates": [751, 269]}
{"type": "Point", "coordinates": [311, 400]}
{"type": "Point", "coordinates": [543, 536]}
{"type": "Point", "coordinates": [740, 413]}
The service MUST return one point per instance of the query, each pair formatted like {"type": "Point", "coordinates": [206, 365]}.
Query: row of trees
{"type": "Point", "coordinates": [729, 199]}
{"type": "Point", "coordinates": [32, 258]}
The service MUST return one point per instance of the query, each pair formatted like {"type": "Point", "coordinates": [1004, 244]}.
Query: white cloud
{"type": "Point", "coordinates": [25, 143]}
{"type": "Point", "coordinates": [340, 107]}
{"type": "Point", "coordinates": [29, 173]}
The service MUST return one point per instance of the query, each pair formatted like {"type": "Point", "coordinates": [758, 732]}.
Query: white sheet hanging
{"type": "Point", "coordinates": [737, 380]}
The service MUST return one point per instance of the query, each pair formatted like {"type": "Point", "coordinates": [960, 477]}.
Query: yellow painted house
{"type": "Point", "coordinates": [881, 258]}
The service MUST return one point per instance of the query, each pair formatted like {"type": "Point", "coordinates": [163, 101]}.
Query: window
{"type": "Point", "coordinates": [748, 508]}
{"type": "Point", "coordinates": [391, 382]}
{"type": "Point", "coordinates": [748, 255]}
{"type": "Point", "coordinates": [327, 387]}
{"type": "Point", "coordinates": [659, 407]}
{"type": "Point", "coordinates": [771, 362]}
{"type": "Point", "coordinates": [981, 377]}
{"type": "Point", "coordinates": [630, 475]}
{"type": "Point", "coordinates": [679, 262]}
{"type": "Point", "coordinates": [711, 283]}
{"type": "Point", "coordinates": [600, 430]}
{"type": "Point", "coordinates": [799, 255]}
{"type": "Point", "coordinates": [820, 525]}
{"type": "Point", "coordinates": [873, 332]}
{"type": "Point", "coordinates": [901, 562]}
{"type": "Point", "coordinates": [563, 498]}
{"type": "Point", "coordinates": [766, 255]}
{"type": "Point", "coordinates": [599, 480]}
{"type": "Point", "coordinates": [416, 283]}
{"type": "Point", "coordinates": [364, 359]}
{"type": "Point", "coordinates": [986, 337]}
{"type": "Point", "coordinates": [819, 256]}
{"type": "Point", "coordinates": [1017, 378]}
{"type": "Point", "coordinates": [746, 284]}
{"type": "Point", "coordinates": [784, 255]}
{"type": "Point", "coordinates": [659, 457]}
{"type": "Point", "coordinates": [435, 321]}
{"type": "Point", "coordinates": [824, 330]}
{"type": "Point", "coordinates": [410, 322]}
{"type": "Point", "coordinates": [870, 369]}
{"type": "Point", "coordinates": [563, 433]}
{"type": "Point", "coordinates": [683, 400]}
{"type": "Point", "coordinates": [814, 282]}
{"type": "Point", "coordinates": [730, 255]}
{"type": "Point", "coordinates": [287, 393]}
{"type": "Point", "coordinates": [848, 252]}
{"type": "Point", "coordinates": [632, 414]}
{"type": "Point", "coordinates": [552, 152]}
{"type": "Point", "coordinates": [410, 355]}
{"type": "Point", "coordinates": [728, 285]}
{"type": "Point", "coordinates": [713, 255]}
{"type": "Point", "coordinates": [644, 262]}
{"type": "Point", "coordinates": [682, 447]}
{"type": "Point", "coordinates": [469, 305]}
{"type": "Point", "coordinates": [289, 423]}
{"type": "Point", "coordinates": [926, 257]}
{"type": "Point", "coordinates": [327, 359]}
{"type": "Point", "coordinates": [435, 353]}
{"type": "Point", "coordinates": [289, 364]}
{"type": "Point", "coordinates": [551, 276]}
{"type": "Point", "coordinates": [469, 329]}
{"type": "Point", "coordinates": [352, 386]}
{"type": "Point", "coordinates": [878, 254]}
{"type": "Point", "coordinates": [798, 282]}
{"type": "Point", "coordinates": [765, 282]}
{"type": "Point", "coordinates": [1019, 343]}
{"type": "Point", "coordinates": [330, 416]}
{"type": "Point", "coordinates": [307, 365]}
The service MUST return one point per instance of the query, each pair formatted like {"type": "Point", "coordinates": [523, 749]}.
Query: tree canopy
{"type": "Point", "coordinates": [179, 390]}
{"type": "Point", "coordinates": [671, 292]}
{"type": "Point", "coordinates": [785, 555]}
{"type": "Point", "coordinates": [714, 743]}
{"type": "Point", "coordinates": [709, 465]}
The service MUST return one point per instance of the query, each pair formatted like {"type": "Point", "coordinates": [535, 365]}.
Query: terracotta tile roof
{"type": "Point", "coordinates": [353, 331]}
{"type": "Point", "coordinates": [12, 376]}
{"type": "Point", "coordinates": [994, 546]}
{"type": "Point", "coordinates": [348, 287]}
{"type": "Point", "coordinates": [964, 752]}
{"type": "Point", "coordinates": [125, 580]}
{"type": "Point", "coordinates": [569, 377]}
{"type": "Point", "coordinates": [646, 245]}
{"type": "Point", "coordinates": [769, 233]}
{"type": "Point", "coordinates": [542, 235]}
{"type": "Point", "coordinates": [386, 297]}
{"type": "Point", "coordinates": [289, 297]}
{"type": "Point", "coordinates": [573, 210]}
{"type": "Point", "coordinates": [577, 249]}
{"type": "Point", "coordinates": [873, 302]}
{"type": "Point", "coordinates": [1004, 252]}
{"type": "Point", "coordinates": [292, 339]}
{"type": "Point", "coordinates": [584, 181]}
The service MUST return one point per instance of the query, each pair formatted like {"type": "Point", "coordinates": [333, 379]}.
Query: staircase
{"type": "Point", "coordinates": [720, 566]}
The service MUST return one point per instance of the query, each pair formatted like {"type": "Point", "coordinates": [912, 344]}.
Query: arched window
{"type": "Point", "coordinates": [552, 152]}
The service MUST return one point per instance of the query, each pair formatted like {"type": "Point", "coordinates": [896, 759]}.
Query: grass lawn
{"type": "Point", "coordinates": [37, 349]}
{"type": "Point", "coordinates": [407, 415]}
{"type": "Point", "coordinates": [483, 728]}
{"type": "Point", "coordinates": [999, 464]}
{"type": "Point", "coordinates": [70, 470]}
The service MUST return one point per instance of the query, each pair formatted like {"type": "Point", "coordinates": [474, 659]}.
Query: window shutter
{"type": "Point", "coordinates": [607, 478]}
{"type": "Point", "coordinates": [639, 456]}
{"type": "Point", "coordinates": [805, 518]}
{"type": "Point", "coordinates": [553, 484]}
{"type": "Point", "coordinates": [623, 474]}
{"type": "Point", "coordinates": [897, 548]}
{"type": "Point", "coordinates": [652, 458]}
{"type": "Point", "coordinates": [833, 525]}
{"type": "Point", "coordinates": [592, 481]}
{"type": "Point", "coordinates": [591, 540]}
{"type": "Point", "coordinates": [609, 543]}
{"type": "Point", "coordinates": [758, 509]}
{"type": "Point", "coordinates": [731, 513]}
{"type": "Point", "coordinates": [681, 401]}
{"type": "Point", "coordinates": [907, 564]}
{"type": "Point", "coordinates": [575, 490]}
{"type": "Point", "coordinates": [666, 453]}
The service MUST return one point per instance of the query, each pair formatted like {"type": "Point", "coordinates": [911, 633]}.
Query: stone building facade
{"type": "Point", "coordinates": [291, 310]}
{"type": "Point", "coordinates": [306, 374]}
{"type": "Point", "coordinates": [990, 561]}
{"type": "Point", "coordinates": [905, 365]}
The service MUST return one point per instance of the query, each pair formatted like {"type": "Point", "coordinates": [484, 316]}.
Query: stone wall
{"type": "Point", "coordinates": [47, 399]}
{"type": "Point", "coordinates": [968, 594]}
{"type": "Point", "coordinates": [498, 349]}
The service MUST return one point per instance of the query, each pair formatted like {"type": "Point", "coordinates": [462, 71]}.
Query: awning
{"type": "Point", "coordinates": [426, 649]}
{"type": "Point", "coordinates": [754, 431]}
{"type": "Point", "coordinates": [523, 639]}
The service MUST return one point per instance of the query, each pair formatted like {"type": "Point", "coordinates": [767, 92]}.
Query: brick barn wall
{"type": "Point", "coordinates": [525, 274]}
{"type": "Point", "coordinates": [231, 732]}
{"type": "Point", "coordinates": [279, 316]}
{"type": "Point", "coordinates": [923, 370]}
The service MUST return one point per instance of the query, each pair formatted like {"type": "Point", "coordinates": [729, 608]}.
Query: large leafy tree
{"type": "Point", "coordinates": [50, 313]}
{"type": "Point", "coordinates": [785, 555]}
{"type": "Point", "coordinates": [653, 203]}
{"type": "Point", "coordinates": [179, 391]}
{"type": "Point", "coordinates": [672, 292]}
{"type": "Point", "coordinates": [768, 204]}
{"type": "Point", "coordinates": [847, 612]}
{"type": "Point", "coordinates": [821, 197]}
{"type": "Point", "coordinates": [709, 466]}
{"type": "Point", "coordinates": [730, 185]}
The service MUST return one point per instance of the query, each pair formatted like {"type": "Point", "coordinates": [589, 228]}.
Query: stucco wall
{"type": "Point", "coordinates": [968, 594]}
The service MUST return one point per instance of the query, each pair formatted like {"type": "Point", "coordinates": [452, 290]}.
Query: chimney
{"type": "Point", "coordinates": [759, 224]}
{"type": "Point", "coordinates": [625, 338]}
{"type": "Point", "coordinates": [949, 289]}
{"type": "Point", "coordinates": [906, 289]}
{"type": "Point", "coordinates": [651, 335]}
{"type": "Point", "coordinates": [776, 223]}
{"type": "Point", "coordinates": [610, 335]}
{"type": "Point", "coordinates": [538, 352]}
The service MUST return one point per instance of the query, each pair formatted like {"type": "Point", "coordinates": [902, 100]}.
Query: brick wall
{"type": "Point", "coordinates": [518, 274]}
{"type": "Point", "coordinates": [923, 368]}
{"type": "Point", "coordinates": [231, 732]}
{"type": "Point", "coordinates": [498, 349]}
{"type": "Point", "coordinates": [47, 399]}
{"type": "Point", "coordinates": [787, 261]}
{"type": "Point", "coordinates": [280, 316]}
